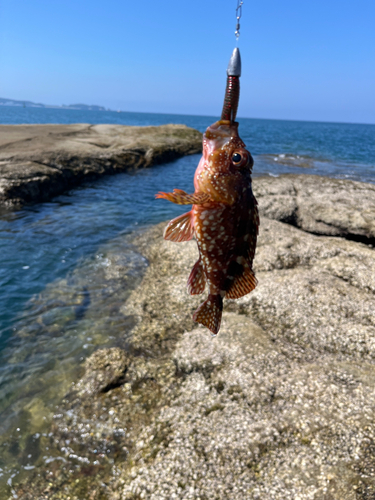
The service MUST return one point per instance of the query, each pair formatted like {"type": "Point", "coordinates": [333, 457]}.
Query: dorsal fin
{"type": "Point", "coordinates": [180, 228]}
{"type": "Point", "coordinates": [243, 284]}
{"type": "Point", "coordinates": [197, 280]}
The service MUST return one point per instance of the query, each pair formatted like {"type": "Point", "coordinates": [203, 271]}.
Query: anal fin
{"type": "Point", "coordinates": [209, 313]}
{"type": "Point", "coordinates": [180, 228]}
{"type": "Point", "coordinates": [197, 280]}
{"type": "Point", "coordinates": [243, 284]}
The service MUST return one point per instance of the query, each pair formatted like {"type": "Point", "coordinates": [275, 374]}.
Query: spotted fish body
{"type": "Point", "coordinates": [224, 220]}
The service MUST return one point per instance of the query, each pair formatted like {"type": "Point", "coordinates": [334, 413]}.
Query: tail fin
{"type": "Point", "coordinates": [209, 313]}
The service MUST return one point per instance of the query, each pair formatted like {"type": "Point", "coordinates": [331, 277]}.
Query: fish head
{"type": "Point", "coordinates": [226, 165]}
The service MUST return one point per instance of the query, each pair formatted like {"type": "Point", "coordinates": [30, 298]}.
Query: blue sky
{"type": "Point", "coordinates": [301, 60]}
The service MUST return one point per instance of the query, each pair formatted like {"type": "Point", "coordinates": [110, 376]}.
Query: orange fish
{"type": "Point", "coordinates": [224, 218]}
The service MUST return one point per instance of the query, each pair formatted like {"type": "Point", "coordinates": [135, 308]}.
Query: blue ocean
{"type": "Point", "coordinates": [54, 256]}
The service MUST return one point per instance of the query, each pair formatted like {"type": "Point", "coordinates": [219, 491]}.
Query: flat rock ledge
{"type": "Point", "coordinates": [38, 162]}
{"type": "Point", "coordinates": [279, 406]}
{"type": "Point", "coordinates": [320, 205]}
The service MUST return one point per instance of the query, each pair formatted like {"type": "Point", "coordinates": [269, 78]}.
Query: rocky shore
{"type": "Point", "coordinates": [280, 405]}
{"type": "Point", "coordinates": [320, 205]}
{"type": "Point", "coordinates": [38, 162]}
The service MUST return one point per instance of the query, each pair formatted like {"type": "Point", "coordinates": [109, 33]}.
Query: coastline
{"type": "Point", "coordinates": [38, 162]}
{"type": "Point", "coordinates": [279, 405]}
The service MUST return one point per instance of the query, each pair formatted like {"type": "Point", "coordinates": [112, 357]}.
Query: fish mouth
{"type": "Point", "coordinates": [219, 134]}
{"type": "Point", "coordinates": [222, 129]}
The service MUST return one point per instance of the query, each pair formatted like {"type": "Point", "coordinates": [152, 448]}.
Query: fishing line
{"type": "Point", "coordinates": [238, 17]}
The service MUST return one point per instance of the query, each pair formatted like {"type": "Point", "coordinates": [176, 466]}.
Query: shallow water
{"type": "Point", "coordinates": [61, 296]}
{"type": "Point", "coordinates": [67, 271]}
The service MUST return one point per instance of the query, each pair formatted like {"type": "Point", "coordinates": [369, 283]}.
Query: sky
{"type": "Point", "coordinates": [301, 60]}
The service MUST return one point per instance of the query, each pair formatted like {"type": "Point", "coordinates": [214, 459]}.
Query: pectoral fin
{"type": "Point", "coordinates": [180, 228]}
{"type": "Point", "coordinates": [180, 197]}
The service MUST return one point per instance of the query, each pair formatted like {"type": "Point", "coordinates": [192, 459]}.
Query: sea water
{"type": "Point", "coordinates": [58, 299]}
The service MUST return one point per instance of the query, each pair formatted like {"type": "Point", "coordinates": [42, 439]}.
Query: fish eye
{"type": "Point", "coordinates": [241, 158]}
{"type": "Point", "coordinates": [236, 158]}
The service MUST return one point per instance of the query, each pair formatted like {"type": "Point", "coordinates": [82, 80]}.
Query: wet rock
{"type": "Point", "coordinates": [320, 205]}
{"type": "Point", "coordinates": [104, 370]}
{"type": "Point", "coordinates": [289, 160]}
{"type": "Point", "coordinates": [38, 162]}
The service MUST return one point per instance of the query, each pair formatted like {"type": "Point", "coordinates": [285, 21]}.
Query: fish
{"type": "Point", "coordinates": [224, 218]}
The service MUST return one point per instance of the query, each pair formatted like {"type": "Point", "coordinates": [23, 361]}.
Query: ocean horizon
{"type": "Point", "coordinates": [72, 107]}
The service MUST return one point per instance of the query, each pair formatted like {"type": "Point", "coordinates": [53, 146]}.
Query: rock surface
{"type": "Point", "coordinates": [320, 205]}
{"type": "Point", "coordinates": [104, 370]}
{"type": "Point", "coordinates": [38, 162]}
{"type": "Point", "coordinates": [280, 405]}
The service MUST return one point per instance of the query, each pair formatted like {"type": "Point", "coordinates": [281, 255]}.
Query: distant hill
{"type": "Point", "coordinates": [29, 104]}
